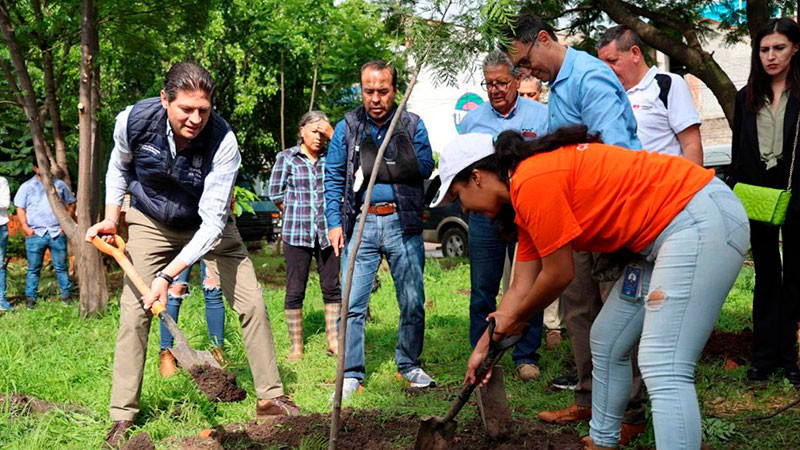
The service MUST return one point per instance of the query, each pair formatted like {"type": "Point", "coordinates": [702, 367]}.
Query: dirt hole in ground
{"type": "Point", "coordinates": [367, 430]}
{"type": "Point", "coordinates": [736, 347]}
{"type": "Point", "coordinates": [218, 385]}
{"type": "Point", "coordinates": [141, 441]}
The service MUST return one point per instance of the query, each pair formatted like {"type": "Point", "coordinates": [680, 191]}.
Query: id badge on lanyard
{"type": "Point", "coordinates": [631, 283]}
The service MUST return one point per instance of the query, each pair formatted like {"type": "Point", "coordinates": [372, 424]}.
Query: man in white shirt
{"type": "Point", "coordinates": [174, 154]}
{"type": "Point", "coordinates": [5, 201]}
{"type": "Point", "coordinates": [662, 102]}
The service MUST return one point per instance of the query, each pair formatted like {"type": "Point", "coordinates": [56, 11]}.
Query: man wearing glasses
{"type": "Point", "coordinates": [506, 110]}
{"type": "Point", "coordinates": [583, 90]}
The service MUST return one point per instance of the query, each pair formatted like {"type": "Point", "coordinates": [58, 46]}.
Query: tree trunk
{"type": "Point", "coordinates": [283, 100]}
{"type": "Point", "coordinates": [40, 147]}
{"type": "Point", "coordinates": [699, 62]}
{"type": "Point", "coordinates": [314, 79]}
{"type": "Point", "coordinates": [758, 12]}
{"type": "Point", "coordinates": [94, 295]}
{"type": "Point", "coordinates": [51, 103]}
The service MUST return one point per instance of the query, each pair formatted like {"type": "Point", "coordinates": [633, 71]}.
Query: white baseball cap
{"type": "Point", "coordinates": [459, 154]}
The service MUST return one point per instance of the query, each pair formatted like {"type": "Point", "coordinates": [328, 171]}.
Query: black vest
{"type": "Point", "coordinates": [165, 188]}
{"type": "Point", "coordinates": [409, 195]}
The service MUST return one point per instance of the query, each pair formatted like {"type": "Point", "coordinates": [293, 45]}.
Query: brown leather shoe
{"type": "Point", "coordinates": [167, 364]}
{"type": "Point", "coordinates": [552, 339]}
{"type": "Point", "coordinates": [574, 413]}
{"type": "Point", "coordinates": [588, 444]}
{"type": "Point", "coordinates": [278, 406]}
{"type": "Point", "coordinates": [629, 432]}
{"type": "Point", "coordinates": [219, 356]}
{"type": "Point", "coordinates": [118, 433]}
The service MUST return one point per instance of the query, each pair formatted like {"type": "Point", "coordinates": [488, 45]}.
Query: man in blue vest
{"type": "Point", "coordinates": [394, 220]}
{"type": "Point", "coordinates": [505, 110]}
{"type": "Point", "coordinates": [174, 153]}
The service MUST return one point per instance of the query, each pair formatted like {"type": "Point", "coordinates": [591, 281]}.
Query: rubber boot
{"type": "Point", "coordinates": [167, 364]}
{"type": "Point", "coordinates": [294, 322]}
{"type": "Point", "coordinates": [332, 311]}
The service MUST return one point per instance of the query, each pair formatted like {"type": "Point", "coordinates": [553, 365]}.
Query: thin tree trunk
{"type": "Point", "coordinates": [28, 94]}
{"type": "Point", "coordinates": [314, 80]}
{"type": "Point", "coordinates": [94, 295]}
{"type": "Point", "coordinates": [51, 103]}
{"type": "Point", "coordinates": [283, 100]}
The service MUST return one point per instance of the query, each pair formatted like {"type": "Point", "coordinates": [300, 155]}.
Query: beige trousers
{"type": "Point", "coordinates": [151, 246]}
{"type": "Point", "coordinates": [554, 316]}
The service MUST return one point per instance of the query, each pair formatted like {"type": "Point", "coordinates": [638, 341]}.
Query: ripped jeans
{"type": "Point", "coordinates": [215, 308]}
{"type": "Point", "coordinates": [685, 276]}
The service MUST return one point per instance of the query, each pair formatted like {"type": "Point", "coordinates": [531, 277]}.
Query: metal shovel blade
{"type": "Point", "coordinates": [493, 405]}
{"type": "Point", "coordinates": [181, 350]}
{"type": "Point", "coordinates": [435, 434]}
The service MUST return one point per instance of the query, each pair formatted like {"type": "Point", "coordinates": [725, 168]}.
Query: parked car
{"type": "Point", "coordinates": [447, 225]}
{"type": "Point", "coordinates": [265, 220]}
{"type": "Point", "coordinates": [718, 157]}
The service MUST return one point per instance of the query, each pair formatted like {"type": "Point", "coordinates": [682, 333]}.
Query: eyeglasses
{"type": "Point", "coordinates": [499, 85]}
{"type": "Point", "coordinates": [525, 61]}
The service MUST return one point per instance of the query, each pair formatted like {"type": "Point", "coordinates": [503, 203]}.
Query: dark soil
{"type": "Point", "coordinates": [141, 441]}
{"type": "Point", "coordinates": [217, 384]}
{"type": "Point", "coordinates": [365, 430]}
{"type": "Point", "coordinates": [726, 345]}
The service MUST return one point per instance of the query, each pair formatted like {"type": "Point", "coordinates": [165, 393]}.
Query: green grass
{"type": "Point", "coordinates": [52, 354]}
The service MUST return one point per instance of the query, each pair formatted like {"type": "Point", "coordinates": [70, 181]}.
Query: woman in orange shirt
{"type": "Point", "coordinates": [686, 230]}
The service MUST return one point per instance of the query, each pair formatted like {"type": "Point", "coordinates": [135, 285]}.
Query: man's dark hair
{"type": "Point", "coordinates": [379, 64]}
{"type": "Point", "coordinates": [525, 28]}
{"type": "Point", "coordinates": [186, 76]}
{"type": "Point", "coordinates": [624, 36]}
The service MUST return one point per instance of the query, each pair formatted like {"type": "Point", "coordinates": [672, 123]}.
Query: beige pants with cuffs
{"type": "Point", "coordinates": [151, 246]}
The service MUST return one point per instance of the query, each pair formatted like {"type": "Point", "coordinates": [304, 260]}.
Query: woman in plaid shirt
{"type": "Point", "coordinates": [296, 187]}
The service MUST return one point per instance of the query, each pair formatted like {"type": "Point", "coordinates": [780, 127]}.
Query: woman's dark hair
{"type": "Point", "coordinates": [510, 149]}
{"type": "Point", "coordinates": [759, 86]}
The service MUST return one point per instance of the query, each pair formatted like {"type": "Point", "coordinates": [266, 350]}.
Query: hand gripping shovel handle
{"type": "Point", "coordinates": [118, 253]}
{"type": "Point", "coordinates": [496, 351]}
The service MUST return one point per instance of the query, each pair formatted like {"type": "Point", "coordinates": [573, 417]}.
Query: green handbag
{"type": "Point", "coordinates": [768, 205]}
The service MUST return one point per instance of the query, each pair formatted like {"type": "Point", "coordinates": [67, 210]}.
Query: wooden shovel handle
{"type": "Point", "coordinates": [118, 253]}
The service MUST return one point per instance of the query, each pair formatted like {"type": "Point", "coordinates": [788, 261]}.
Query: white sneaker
{"type": "Point", "coordinates": [350, 386]}
{"type": "Point", "coordinates": [417, 378]}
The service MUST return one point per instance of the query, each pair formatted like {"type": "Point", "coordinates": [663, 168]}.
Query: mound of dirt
{"type": "Point", "coordinates": [217, 384]}
{"type": "Point", "coordinates": [21, 404]}
{"type": "Point", "coordinates": [736, 347]}
{"type": "Point", "coordinates": [141, 441]}
{"type": "Point", "coordinates": [366, 430]}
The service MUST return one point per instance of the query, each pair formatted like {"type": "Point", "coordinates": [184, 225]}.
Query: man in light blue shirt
{"type": "Point", "coordinates": [506, 110]}
{"type": "Point", "coordinates": [583, 91]}
{"type": "Point", "coordinates": [42, 231]}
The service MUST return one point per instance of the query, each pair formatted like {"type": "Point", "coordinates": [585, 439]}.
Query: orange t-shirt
{"type": "Point", "coordinates": [599, 197]}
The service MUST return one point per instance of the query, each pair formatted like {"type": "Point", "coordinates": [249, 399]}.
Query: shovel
{"type": "Point", "coordinates": [187, 358]}
{"type": "Point", "coordinates": [436, 433]}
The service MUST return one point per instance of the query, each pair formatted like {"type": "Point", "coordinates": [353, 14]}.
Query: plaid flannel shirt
{"type": "Point", "coordinates": [297, 183]}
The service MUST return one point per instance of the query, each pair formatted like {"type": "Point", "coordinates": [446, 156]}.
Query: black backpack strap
{"type": "Point", "coordinates": [664, 84]}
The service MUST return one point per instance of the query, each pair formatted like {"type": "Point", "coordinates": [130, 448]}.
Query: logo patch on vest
{"type": "Point", "coordinates": [149, 148]}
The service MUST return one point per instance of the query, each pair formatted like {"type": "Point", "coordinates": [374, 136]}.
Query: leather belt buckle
{"type": "Point", "coordinates": [381, 209]}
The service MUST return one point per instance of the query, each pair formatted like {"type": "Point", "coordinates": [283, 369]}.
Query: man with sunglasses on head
{"type": "Point", "coordinates": [583, 90]}
{"type": "Point", "coordinates": [506, 110]}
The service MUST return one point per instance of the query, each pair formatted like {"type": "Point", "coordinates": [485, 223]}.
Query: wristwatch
{"type": "Point", "coordinates": [163, 275]}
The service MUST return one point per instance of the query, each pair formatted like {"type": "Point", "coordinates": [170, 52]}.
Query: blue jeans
{"type": "Point", "coordinates": [406, 257]}
{"type": "Point", "coordinates": [35, 247]}
{"type": "Point", "coordinates": [215, 308]}
{"type": "Point", "coordinates": [487, 257]}
{"type": "Point", "coordinates": [686, 274]}
{"type": "Point", "coordinates": [3, 247]}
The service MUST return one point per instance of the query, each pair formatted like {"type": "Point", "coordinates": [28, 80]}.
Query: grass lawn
{"type": "Point", "coordinates": [51, 354]}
